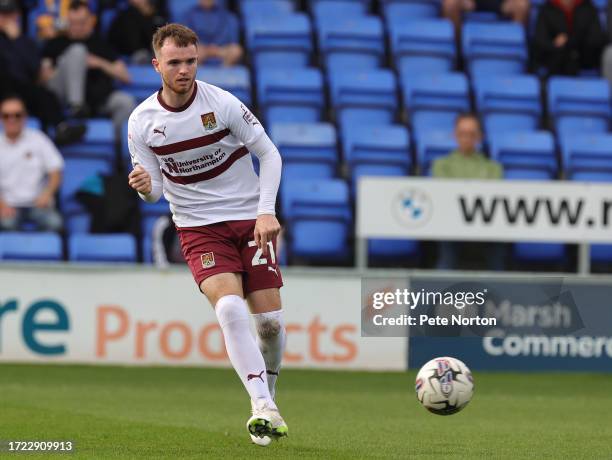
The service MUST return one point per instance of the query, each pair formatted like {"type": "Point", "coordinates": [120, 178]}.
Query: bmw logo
{"type": "Point", "coordinates": [412, 208]}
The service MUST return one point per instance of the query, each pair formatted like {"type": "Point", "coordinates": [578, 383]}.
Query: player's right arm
{"type": "Point", "coordinates": [146, 176]}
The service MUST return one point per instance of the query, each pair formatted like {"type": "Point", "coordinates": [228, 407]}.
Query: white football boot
{"type": "Point", "coordinates": [265, 424]}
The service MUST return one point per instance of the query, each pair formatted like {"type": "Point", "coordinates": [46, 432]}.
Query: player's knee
{"type": "Point", "coordinates": [268, 328]}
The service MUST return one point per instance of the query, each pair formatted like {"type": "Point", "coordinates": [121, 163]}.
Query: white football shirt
{"type": "Point", "coordinates": [197, 155]}
{"type": "Point", "coordinates": [24, 165]}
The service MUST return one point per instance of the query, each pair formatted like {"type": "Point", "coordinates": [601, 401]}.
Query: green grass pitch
{"type": "Point", "coordinates": [127, 412]}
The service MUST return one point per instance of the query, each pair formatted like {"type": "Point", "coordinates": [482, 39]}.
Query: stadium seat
{"type": "Point", "coordinates": [424, 121]}
{"type": "Point", "coordinates": [279, 32]}
{"type": "Point", "coordinates": [579, 97]}
{"type": "Point", "coordinates": [78, 223]}
{"type": "Point", "coordinates": [587, 153]}
{"type": "Point", "coordinates": [539, 253]}
{"type": "Point", "coordinates": [325, 9]}
{"type": "Point", "coordinates": [519, 94]}
{"type": "Point", "coordinates": [378, 145]}
{"type": "Point", "coordinates": [528, 150]}
{"type": "Point", "coordinates": [601, 253]}
{"type": "Point", "coordinates": [301, 89]}
{"type": "Point", "coordinates": [145, 81]}
{"type": "Point", "coordinates": [499, 40]}
{"type": "Point", "coordinates": [30, 246]}
{"type": "Point", "coordinates": [431, 38]}
{"type": "Point", "coordinates": [319, 219]}
{"type": "Point", "coordinates": [495, 123]}
{"type": "Point", "coordinates": [76, 171]}
{"type": "Point", "coordinates": [308, 149]}
{"type": "Point", "coordinates": [291, 114]}
{"type": "Point", "coordinates": [592, 176]}
{"type": "Point", "coordinates": [362, 37]}
{"type": "Point", "coordinates": [410, 11]}
{"type": "Point", "coordinates": [481, 68]}
{"type": "Point", "coordinates": [409, 66]}
{"type": "Point", "coordinates": [431, 145]}
{"type": "Point", "coordinates": [363, 117]}
{"type": "Point", "coordinates": [573, 125]}
{"type": "Point", "coordinates": [447, 92]}
{"type": "Point", "coordinates": [399, 251]}
{"type": "Point", "coordinates": [374, 89]}
{"type": "Point", "coordinates": [527, 174]}
{"type": "Point", "coordinates": [235, 79]}
{"type": "Point", "coordinates": [160, 208]}
{"type": "Point", "coordinates": [98, 143]}
{"type": "Point", "coordinates": [116, 247]}
{"type": "Point", "coordinates": [253, 8]}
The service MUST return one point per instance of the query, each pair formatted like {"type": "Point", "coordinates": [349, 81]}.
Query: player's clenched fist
{"type": "Point", "coordinates": [140, 180]}
{"type": "Point", "coordinates": [267, 229]}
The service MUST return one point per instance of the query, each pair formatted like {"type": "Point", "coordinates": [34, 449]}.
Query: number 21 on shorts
{"type": "Point", "coordinates": [257, 259]}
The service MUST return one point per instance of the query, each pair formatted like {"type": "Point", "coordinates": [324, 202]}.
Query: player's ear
{"type": "Point", "coordinates": [155, 63]}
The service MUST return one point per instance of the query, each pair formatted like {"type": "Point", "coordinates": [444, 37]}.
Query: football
{"type": "Point", "coordinates": [444, 386]}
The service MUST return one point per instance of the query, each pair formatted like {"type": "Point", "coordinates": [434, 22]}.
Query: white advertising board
{"type": "Point", "coordinates": [144, 316]}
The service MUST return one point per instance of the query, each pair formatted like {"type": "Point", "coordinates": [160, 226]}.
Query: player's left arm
{"type": "Point", "coordinates": [247, 128]}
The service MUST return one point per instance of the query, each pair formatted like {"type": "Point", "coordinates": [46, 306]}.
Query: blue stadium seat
{"type": "Point", "coordinates": [410, 11]}
{"type": "Point", "coordinates": [573, 125]}
{"type": "Point", "coordinates": [374, 89]}
{"type": "Point", "coordinates": [353, 36]}
{"type": "Point", "coordinates": [365, 4]}
{"type": "Point", "coordinates": [579, 97]}
{"type": "Point", "coordinates": [409, 66]}
{"type": "Point", "coordinates": [30, 246]}
{"type": "Point", "coordinates": [592, 176]}
{"type": "Point", "coordinates": [483, 67]}
{"type": "Point", "coordinates": [279, 60]}
{"type": "Point", "coordinates": [363, 117]}
{"type": "Point", "coordinates": [538, 253]}
{"type": "Point", "coordinates": [495, 123]}
{"type": "Point", "coordinates": [447, 92]}
{"type": "Point", "coordinates": [502, 40]}
{"type": "Point", "coordinates": [424, 121]}
{"type": "Point", "coordinates": [76, 171]}
{"type": "Point", "coordinates": [145, 81]}
{"type": "Point", "coordinates": [235, 79]}
{"type": "Point", "coordinates": [431, 145]}
{"type": "Point", "coordinates": [392, 250]}
{"type": "Point", "coordinates": [431, 38]}
{"type": "Point", "coordinates": [77, 223]}
{"type": "Point", "coordinates": [98, 143]}
{"type": "Point", "coordinates": [279, 32]}
{"type": "Point", "coordinates": [301, 89]}
{"type": "Point", "coordinates": [335, 62]}
{"type": "Point", "coordinates": [115, 247]}
{"type": "Point", "coordinates": [527, 150]}
{"type": "Point", "coordinates": [319, 218]}
{"type": "Point", "coordinates": [324, 9]}
{"type": "Point", "coordinates": [159, 208]}
{"type": "Point", "coordinates": [601, 253]}
{"type": "Point", "coordinates": [527, 174]}
{"type": "Point", "coordinates": [253, 8]}
{"type": "Point", "coordinates": [379, 145]}
{"type": "Point", "coordinates": [587, 153]}
{"type": "Point", "coordinates": [508, 94]}
{"type": "Point", "coordinates": [308, 149]}
{"type": "Point", "coordinates": [291, 114]}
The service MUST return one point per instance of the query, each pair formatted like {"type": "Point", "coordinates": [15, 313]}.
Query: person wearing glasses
{"type": "Point", "coordinates": [30, 172]}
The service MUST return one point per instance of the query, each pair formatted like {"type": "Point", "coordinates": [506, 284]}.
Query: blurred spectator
{"type": "Point", "coordinates": [467, 163]}
{"type": "Point", "coordinates": [52, 20]}
{"type": "Point", "coordinates": [132, 30]}
{"type": "Point", "coordinates": [30, 172]}
{"type": "Point", "coordinates": [81, 68]}
{"type": "Point", "coordinates": [568, 37]}
{"type": "Point", "coordinates": [21, 70]}
{"type": "Point", "coordinates": [218, 32]}
{"type": "Point", "coordinates": [515, 10]}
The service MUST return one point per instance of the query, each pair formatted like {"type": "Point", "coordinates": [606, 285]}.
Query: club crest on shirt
{"type": "Point", "coordinates": [208, 260]}
{"type": "Point", "coordinates": [209, 121]}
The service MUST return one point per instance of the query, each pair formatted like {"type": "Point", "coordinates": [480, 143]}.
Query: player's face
{"type": "Point", "coordinates": [177, 66]}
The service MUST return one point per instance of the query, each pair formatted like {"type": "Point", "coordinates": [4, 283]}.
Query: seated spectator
{"type": "Point", "coordinates": [81, 69]}
{"type": "Point", "coordinates": [30, 172]}
{"type": "Point", "coordinates": [515, 10]}
{"type": "Point", "coordinates": [467, 163]}
{"type": "Point", "coordinates": [52, 20]}
{"type": "Point", "coordinates": [21, 70]}
{"type": "Point", "coordinates": [218, 32]}
{"type": "Point", "coordinates": [568, 37]}
{"type": "Point", "coordinates": [132, 30]}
